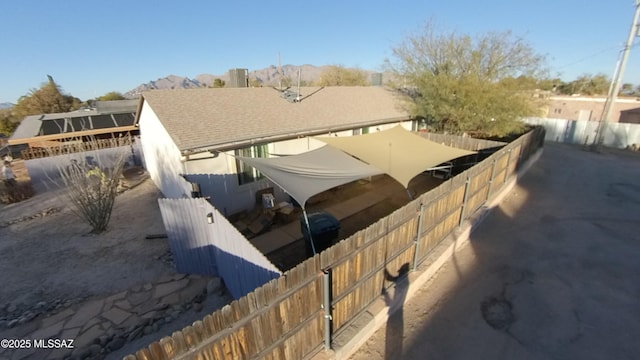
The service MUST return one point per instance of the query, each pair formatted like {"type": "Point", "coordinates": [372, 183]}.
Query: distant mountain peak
{"type": "Point", "coordinates": [268, 76]}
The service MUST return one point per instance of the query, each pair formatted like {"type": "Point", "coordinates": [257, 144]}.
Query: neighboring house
{"type": "Point", "coordinates": [195, 134]}
{"type": "Point", "coordinates": [4, 147]}
{"type": "Point", "coordinates": [105, 119]}
{"type": "Point", "coordinates": [43, 139]}
{"type": "Point", "coordinates": [588, 108]}
{"type": "Point", "coordinates": [631, 116]}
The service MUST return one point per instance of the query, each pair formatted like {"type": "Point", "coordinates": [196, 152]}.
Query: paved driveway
{"type": "Point", "coordinates": [552, 273]}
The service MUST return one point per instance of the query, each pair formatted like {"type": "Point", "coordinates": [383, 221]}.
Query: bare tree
{"type": "Point", "coordinates": [91, 182]}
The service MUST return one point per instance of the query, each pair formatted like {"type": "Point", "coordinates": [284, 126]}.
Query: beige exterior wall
{"type": "Point", "coordinates": [588, 108]}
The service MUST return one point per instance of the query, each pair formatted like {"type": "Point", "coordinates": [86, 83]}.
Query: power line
{"type": "Point", "coordinates": [617, 77]}
{"type": "Point", "coordinates": [588, 57]}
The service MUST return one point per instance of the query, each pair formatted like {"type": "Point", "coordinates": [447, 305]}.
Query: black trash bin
{"type": "Point", "coordinates": [325, 230]}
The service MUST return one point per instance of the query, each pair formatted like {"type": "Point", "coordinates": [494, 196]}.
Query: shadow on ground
{"type": "Point", "coordinates": [550, 274]}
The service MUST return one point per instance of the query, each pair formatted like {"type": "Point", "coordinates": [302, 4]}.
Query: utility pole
{"type": "Point", "coordinates": [614, 88]}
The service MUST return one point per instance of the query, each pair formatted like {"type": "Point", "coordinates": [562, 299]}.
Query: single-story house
{"type": "Point", "coordinates": [588, 108]}
{"type": "Point", "coordinates": [197, 134]}
{"type": "Point", "coordinates": [208, 144]}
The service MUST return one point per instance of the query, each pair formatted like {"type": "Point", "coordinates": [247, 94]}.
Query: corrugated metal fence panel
{"type": "Point", "coordinates": [185, 221]}
{"type": "Point", "coordinates": [619, 135]}
{"type": "Point", "coordinates": [213, 247]}
{"type": "Point", "coordinates": [240, 264]}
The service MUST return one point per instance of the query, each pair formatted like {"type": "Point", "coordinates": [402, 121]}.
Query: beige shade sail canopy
{"type": "Point", "coordinates": [313, 172]}
{"type": "Point", "coordinates": [396, 151]}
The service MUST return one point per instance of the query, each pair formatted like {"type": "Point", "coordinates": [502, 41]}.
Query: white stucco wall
{"type": "Point", "coordinates": [162, 157]}
{"type": "Point", "coordinates": [218, 180]}
{"type": "Point", "coordinates": [294, 146]}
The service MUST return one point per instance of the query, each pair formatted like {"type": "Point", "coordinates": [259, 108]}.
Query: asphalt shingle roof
{"type": "Point", "coordinates": [215, 118]}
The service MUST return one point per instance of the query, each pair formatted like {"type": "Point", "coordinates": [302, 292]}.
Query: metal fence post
{"type": "Point", "coordinates": [493, 174]}
{"type": "Point", "coordinates": [464, 201]}
{"type": "Point", "coordinates": [417, 240]}
{"type": "Point", "coordinates": [326, 304]}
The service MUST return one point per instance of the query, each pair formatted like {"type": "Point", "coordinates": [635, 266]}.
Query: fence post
{"type": "Point", "coordinates": [464, 201]}
{"type": "Point", "coordinates": [417, 240]}
{"type": "Point", "coordinates": [493, 174]}
{"type": "Point", "coordinates": [326, 304]}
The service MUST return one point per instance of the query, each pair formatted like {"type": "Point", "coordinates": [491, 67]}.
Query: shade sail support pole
{"type": "Point", "coordinates": [306, 221]}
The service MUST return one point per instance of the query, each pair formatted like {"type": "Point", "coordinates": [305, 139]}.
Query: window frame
{"type": "Point", "coordinates": [247, 174]}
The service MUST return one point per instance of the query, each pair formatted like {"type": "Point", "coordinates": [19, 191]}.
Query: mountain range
{"type": "Point", "coordinates": [266, 77]}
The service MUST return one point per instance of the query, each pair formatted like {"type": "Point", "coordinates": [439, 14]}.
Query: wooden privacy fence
{"type": "Point", "coordinates": [293, 316]}
{"type": "Point", "coordinates": [466, 143]}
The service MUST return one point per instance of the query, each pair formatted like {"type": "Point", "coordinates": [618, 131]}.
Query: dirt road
{"type": "Point", "coordinates": [552, 273]}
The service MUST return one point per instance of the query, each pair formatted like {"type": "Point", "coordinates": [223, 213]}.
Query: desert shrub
{"type": "Point", "coordinates": [91, 186]}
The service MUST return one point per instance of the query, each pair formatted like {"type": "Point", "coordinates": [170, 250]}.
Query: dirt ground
{"type": "Point", "coordinates": [47, 253]}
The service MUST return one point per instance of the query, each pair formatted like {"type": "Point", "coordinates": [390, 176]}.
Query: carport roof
{"type": "Point", "coordinates": [226, 118]}
{"type": "Point", "coordinates": [120, 117]}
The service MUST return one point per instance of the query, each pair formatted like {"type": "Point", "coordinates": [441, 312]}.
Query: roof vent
{"type": "Point", "coordinates": [238, 78]}
{"type": "Point", "coordinates": [290, 96]}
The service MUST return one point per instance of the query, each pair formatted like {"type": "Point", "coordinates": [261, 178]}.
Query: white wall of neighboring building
{"type": "Point", "coordinates": [162, 157]}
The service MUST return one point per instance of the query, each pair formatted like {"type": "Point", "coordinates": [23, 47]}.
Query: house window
{"type": "Point", "coordinates": [248, 174]}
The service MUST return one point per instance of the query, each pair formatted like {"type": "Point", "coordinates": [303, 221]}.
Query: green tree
{"type": "Point", "coordinates": [482, 85]}
{"type": "Point", "coordinates": [627, 89]}
{"type": "Point", "coordinates": [47, 99]}
{"type": "Point", "coordinates": [112, 95]}
{"type": "Point", "coordinates": [7, 122]}
{"type": "Point", "coordinates": [253, 82]}
{"type": "Point", "coordinates": [587, 84]}
{"type": "Point", "coordinates": [218, 83]}
{"type": "Point", "coordinates": [340, 76]}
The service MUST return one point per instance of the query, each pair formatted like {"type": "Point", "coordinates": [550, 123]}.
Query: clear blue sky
{"type": "Point", "coordinates": [93, 47]}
